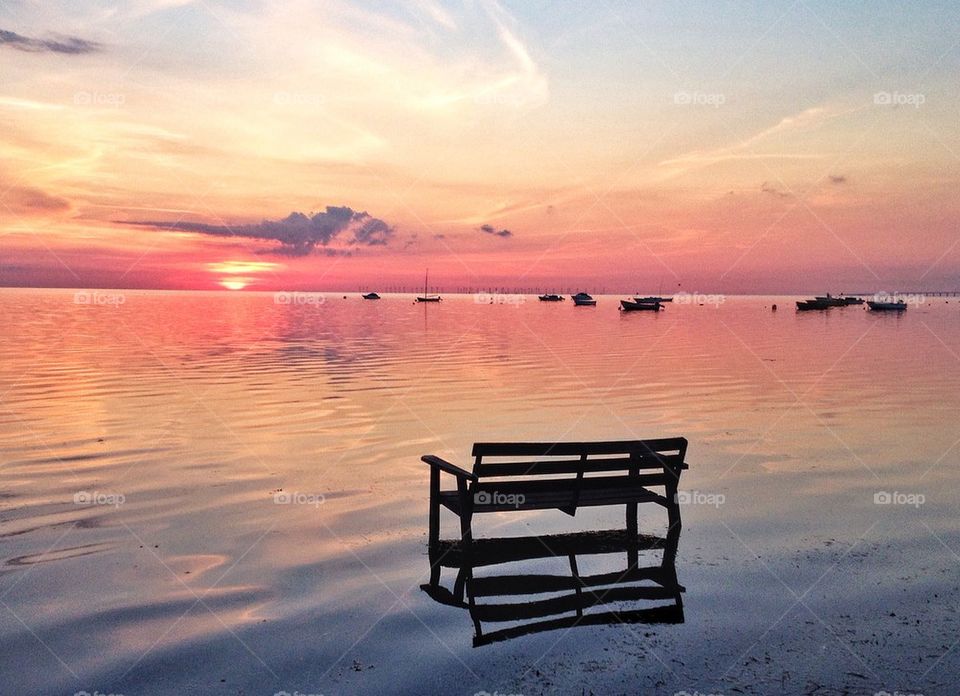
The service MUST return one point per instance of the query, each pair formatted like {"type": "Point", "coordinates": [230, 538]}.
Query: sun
{"type": "Point", "coordinates": [238, 274]}
{"type": "Point", "coordinates": [235, 283]}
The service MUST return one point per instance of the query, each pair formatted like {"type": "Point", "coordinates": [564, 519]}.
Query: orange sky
{"type": "Point", "coordinates": [756, 147]}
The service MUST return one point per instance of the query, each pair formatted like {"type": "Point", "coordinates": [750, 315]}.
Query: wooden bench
{"type": "Point", "coordinates": [558, 475]}
{"type": "Point", "coordinates": [555, 475]}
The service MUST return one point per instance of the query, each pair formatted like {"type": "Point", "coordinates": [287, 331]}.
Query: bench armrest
{"type": "Point", "coordinates": [444, 465]}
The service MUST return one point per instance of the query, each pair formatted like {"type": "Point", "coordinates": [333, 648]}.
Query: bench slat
{"type": "Point", "coordinates": [572, 466]}
{"type": "Point", "coordinates": [567, 484]}
{"type": "Point", "coordinates": [542, 449]}
{"type": "Point", "coordinates": [559, 499]}
{"type": "Point", "coordinates": [669, 614]}
{"type": "Point", "coordinates": [572, 602]}
{"type": "Point", "coordinates": [505, 585]}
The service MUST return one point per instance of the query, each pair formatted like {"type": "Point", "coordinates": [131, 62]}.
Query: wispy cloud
{"type": "Point", "coordinates": [517, 82]}
{"type": "Point", "coordinates": [56, 44]}
{"type": "Point", "coordinates": [807, 119]}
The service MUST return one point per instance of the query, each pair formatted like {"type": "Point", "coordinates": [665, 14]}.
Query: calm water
{"type": "Point", "coordinates": [142, 444]}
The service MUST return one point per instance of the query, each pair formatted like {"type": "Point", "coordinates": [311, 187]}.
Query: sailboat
{"type": "Point", "coordinates": [425, 297]}
{"type": "Point", "coordinates": [653, 299]}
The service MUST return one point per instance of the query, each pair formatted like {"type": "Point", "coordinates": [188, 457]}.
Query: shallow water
{"type": "Point", "coordinates": [144, 437]}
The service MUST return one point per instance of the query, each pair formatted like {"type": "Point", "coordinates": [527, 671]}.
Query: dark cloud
{"type": "Point", "coordinates": [372, 232]}
{"type": "Point", "coordinates": [26, 200]}
{"type": "Point", "coordinates": [838, 178]}
{"type": "Point", "coordinates": [57, 44]}
{"type": "Point", "coordinates": [490, 229]}
{"type": "Point", "coordinates": [297, 234]}
{"type": "Point", "coordinates": [774, 191]}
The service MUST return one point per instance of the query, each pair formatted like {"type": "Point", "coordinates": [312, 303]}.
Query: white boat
{"type": "Point", "coordinates": [582, 299]}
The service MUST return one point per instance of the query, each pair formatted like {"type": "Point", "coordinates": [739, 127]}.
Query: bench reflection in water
{"type": "Point", "coordinates": [510, 477]}
{"type": "Point", "coordinates": [491, 584]}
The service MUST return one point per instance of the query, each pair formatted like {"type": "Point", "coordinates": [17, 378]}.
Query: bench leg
{"type": "Point", "coordinates": [434, 534]}
{"type": "Point", "coordinates": [669, 563]}
{"type": "Point", "coordinates": [633, 532]}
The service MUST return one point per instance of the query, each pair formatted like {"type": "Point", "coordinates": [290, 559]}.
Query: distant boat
{"type": "Point", "coordinates": [425, 297]}
{"type": "Point", "coordinates": [659, 300]}
{"type": "Point", "coordinates": [638, 305]}
{"type": "Point", "coordinates": [806, 305]}
{"type": "Point", "coordinates": [897, 306]}
{"type": "Point", "coordinates": [828, 300]}
{"type": "Point", "coordinates": [582, 299]}
{"type": "Point", "coordinates": [371, 296]}
{"type": "Point", "coordinates": [550, 297]}
{"type": "Point", "coordinates": [841, 301]}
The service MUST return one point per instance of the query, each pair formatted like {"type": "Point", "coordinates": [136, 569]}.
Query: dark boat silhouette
{"type": "Point", "coordinates": [653, 298]}
{"type": "Point", "coordinates": [807, 305]}
{"type": "Point", "coordinates": [640, 305]}
{"type": "Point", "coordinates": [582, 299]}
{"type": "Point", "coordinates": [425, 297]}
{"type": "Point", "coordinates": [895, 306]}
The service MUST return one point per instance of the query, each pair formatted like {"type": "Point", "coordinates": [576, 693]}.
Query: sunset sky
{"type": "Point", "coordinates": [711, 146]}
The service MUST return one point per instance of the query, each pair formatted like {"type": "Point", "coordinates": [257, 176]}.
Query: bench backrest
{"type": "Point", "coordinates": [492, 459]}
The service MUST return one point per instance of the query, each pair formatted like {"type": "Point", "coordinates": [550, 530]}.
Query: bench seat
{"type": "Point", "coordinates": [559, 493]}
